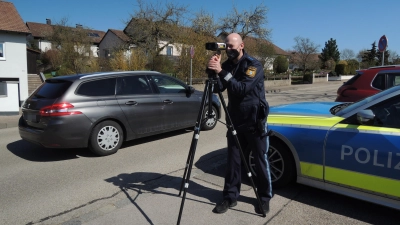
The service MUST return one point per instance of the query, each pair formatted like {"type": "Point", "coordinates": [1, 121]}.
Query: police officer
{"type": "Point", "coordinates": [243, 77]}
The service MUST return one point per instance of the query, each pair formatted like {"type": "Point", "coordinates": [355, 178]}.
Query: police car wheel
{"type": "Point", "coordinates": [281, 164]}
{"type": "Point", "coordinates": [209, 123]}
{"type": "Point", "coordinates": [106, 138]}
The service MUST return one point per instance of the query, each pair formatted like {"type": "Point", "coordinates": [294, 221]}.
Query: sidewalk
{"type": "Point", "coordinates": [12, 121]}
{"type": "Point", "coordinates": [9, 121]}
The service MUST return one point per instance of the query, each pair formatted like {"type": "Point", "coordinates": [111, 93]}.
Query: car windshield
{"type": "Point", "coordinates": [346, 107]}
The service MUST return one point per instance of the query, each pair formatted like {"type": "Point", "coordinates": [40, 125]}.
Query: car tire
{"type": "Point", "coordinates": [106, 138]}
{"type": "Point", "coordinates": [209, 123]}
{"type": "Point", "coordinates": [281, 163]}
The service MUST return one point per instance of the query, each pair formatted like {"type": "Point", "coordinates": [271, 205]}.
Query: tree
{"type": "Point", "coordinates": [153, 27]}
{"type": "Point", "coordinates": [360, 56]}
{"type": "Point", "coordinates": [203, 23]}
{"type": "Point", "coordinates": [347, 54]}
{"type": "Point", "coordinates": [330, 51]}
{"type": "Point", "coordinates": [73, 49]}
{"type": "Point", "coordinates": [370, 56]}
{"type": "Point", "coordinates": [394, 58]}
{"type": "Point", "coordinates": [304, 50]}
{"type": "Point", "coordinates": [246, 23]}
{"type": "Point", "coordinates": [385, 60]}
{"type": "Point", "coordinates": [281, 64]}
{"type": "Point", "coordinates": [134, 59]}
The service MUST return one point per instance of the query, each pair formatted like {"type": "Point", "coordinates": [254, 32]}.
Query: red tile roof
{"type": "Point", "coordinates": [41, 30]}
{"type": "Point", "coordinates": [120, 34]}
{"type": "Point", "coordinates": [10, 20]}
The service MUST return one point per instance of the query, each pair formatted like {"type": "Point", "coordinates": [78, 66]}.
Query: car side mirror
{"type": "Point", "coordinates": [190, 89]}
{"type": "Point", "coordinates": [365, 117]}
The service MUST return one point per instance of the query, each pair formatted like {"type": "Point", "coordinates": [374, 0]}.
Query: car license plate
{"type": "Point", "coordinates": [30, 117]}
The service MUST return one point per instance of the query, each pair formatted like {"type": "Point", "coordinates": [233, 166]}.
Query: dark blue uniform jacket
{"type": "Point", "coordinates": [244, 82]}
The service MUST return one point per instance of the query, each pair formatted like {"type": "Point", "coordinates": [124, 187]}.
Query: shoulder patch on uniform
{"type": "Point", "coordinates": [251, 71]}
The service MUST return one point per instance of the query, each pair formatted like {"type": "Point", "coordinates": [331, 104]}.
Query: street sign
{"type": "Point", "coordinates": [383, 43]}
{"type": "Point", "coordinates": [191, 51]}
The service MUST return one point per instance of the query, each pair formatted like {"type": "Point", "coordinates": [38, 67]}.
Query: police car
{"type": "Point", "coordinates": [347, 148]}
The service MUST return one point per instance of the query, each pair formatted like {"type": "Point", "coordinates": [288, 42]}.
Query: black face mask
{"type": "Point", "coordinates": [232, 54]}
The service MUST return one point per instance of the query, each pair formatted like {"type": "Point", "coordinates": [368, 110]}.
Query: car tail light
{"type": "Point", "coordinates": [60, 109]}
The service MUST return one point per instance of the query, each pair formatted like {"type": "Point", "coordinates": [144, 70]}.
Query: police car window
{"type": "Point", "coordinates": [133, 85]}
{"type": "Point", "coordinates": [387, 113]}
{"type": "Point", "coordinates": [379, 82]}
{"type": "Point", "coordinates": [168, 85]}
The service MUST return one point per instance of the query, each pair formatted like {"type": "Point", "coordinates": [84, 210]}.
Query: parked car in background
{"type": "Point", "coordinates": [368, 82]}
{"type": "Point", "coordinates": [347, 148]}
{"type": "Point", "coordinates": [101, 110]}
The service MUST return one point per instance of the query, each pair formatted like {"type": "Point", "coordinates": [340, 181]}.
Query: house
{"type": "Point", "coordinates": [117, 39]}
{"type": "Point", "coordinates": [113, 40]}
{"type": "Point", "coordinates": [40, 32]}
{"type": "Point", "coordinates": [13, 59]}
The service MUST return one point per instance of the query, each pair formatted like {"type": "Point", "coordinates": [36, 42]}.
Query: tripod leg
{"type": "Point", "coordinates": [232, 129]}
{"type": "Point", "coordinates": [196, 132]}
{"type": "Point", "coordinates": [196, 135]}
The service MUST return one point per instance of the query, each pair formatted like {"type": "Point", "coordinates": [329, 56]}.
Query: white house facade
{"type": "Point", "coordinates": [13, 61]}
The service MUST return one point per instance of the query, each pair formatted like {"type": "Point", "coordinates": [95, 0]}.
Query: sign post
{"type": "Point", "coordinates": [191, 59]}
{"type": "Point", "coordinates": [382, 45]}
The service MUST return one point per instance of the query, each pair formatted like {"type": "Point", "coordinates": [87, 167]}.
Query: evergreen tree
{"type": "Point", "coordinates": [330, 52]}
{"type": "Point", "coordinates": [370, 57]}
{"type": "Point", "coordinates": [385, 60]}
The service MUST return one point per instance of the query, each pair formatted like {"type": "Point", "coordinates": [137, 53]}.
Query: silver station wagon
{"type": "Point", "coordinates": [101, 110]}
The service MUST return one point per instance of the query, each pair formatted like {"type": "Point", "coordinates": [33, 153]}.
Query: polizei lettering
{"type": "Point", "coordinates": [365, 156]}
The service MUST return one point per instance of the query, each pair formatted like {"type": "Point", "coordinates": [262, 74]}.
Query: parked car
{"type": "Point", "coordinates": [368, 82]}
{"type": "Point", "coordinates": [101, 110]}
{"type": "Point", "coordinates": [347, 148]}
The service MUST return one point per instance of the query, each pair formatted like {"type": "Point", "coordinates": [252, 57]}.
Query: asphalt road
{"type": "Point", "coordinates": [139, 184]}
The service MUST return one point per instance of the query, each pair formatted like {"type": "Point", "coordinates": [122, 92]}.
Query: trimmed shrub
{"type": "Point", "coordinates": [281, 64]}
{"type": "Point", "coordinates": [340, 69]}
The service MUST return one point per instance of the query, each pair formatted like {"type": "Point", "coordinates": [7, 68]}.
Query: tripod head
{"type": "Point", "coordinates": [211, 74]}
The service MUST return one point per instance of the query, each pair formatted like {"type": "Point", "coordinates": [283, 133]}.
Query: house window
{"type": "Point", "coordinates": [169, 50]}
{"type": "Point", "coordinates": [2, 51]}
{"type": "Point", "coordinates": [3, 89]}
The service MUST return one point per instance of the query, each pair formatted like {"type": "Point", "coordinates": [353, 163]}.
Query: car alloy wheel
{"type": "Point", "coordinates": [281, 163]}
{"type": "Point", "coordinates": [276, 164]}
{"type": "Point", "coordinates": [209, 123]}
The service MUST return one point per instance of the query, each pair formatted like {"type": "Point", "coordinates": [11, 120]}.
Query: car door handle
{"type": "Point", "coordinates": [131, 103]}
{"type": "Point", "coordinates": [168, 101]}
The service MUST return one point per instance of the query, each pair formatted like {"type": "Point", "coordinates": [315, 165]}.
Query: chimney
{"type": "Point", "coordinates": [48, 21]}
{"type": "Point", "coordinates": [78, 26]}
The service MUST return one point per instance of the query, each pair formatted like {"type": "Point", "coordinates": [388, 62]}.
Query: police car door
{"type": "Point", "coordinates": [366, 157]}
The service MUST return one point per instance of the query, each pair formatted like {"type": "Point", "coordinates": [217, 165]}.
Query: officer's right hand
{"type": "Point", "coordinates": [215, 63]}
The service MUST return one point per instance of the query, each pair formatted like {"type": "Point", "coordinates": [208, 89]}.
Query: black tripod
{"type": "Point", "coordinates": [207, 97]}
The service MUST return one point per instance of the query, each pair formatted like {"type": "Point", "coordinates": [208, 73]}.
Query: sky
{"type": "Point", "coordinates": [354, 24]}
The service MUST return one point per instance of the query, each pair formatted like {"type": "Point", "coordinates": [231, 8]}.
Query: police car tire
{"type": "Point", "coordinates": [289, 169]}
{"type": "Point", "coordinates": [115, 133]}
{"type": "Point", "coordinates": [204, 125]}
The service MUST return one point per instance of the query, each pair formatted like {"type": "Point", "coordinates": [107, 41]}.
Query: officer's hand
{"type": "Point", "coordinates": [215, 63]}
